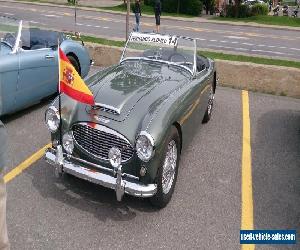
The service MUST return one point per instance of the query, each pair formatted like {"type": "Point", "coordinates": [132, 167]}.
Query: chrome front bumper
{"type": "Point", "coordinates": [117, 180]}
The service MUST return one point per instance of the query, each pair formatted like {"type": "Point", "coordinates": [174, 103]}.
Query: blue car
{"type": "Point", "coordinates": [29, 63]}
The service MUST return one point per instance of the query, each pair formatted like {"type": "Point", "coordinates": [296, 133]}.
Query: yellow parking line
{"type": "Point", "coordinates": [247, 197]}
{"type": "Point", "coordinates": [25, 164]}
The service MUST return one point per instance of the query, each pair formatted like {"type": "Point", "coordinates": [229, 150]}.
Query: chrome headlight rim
{"type": "Point", "coordinates": [68, 134]}
{"type": "Point", "coordinates": [151, 141]}
{"type": "Point", "coordinates": [56, 112]}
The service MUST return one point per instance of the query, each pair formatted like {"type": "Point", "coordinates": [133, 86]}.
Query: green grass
{"type": "Point", "coordinates": [252, 59]}
{"type": "Point", "coordinates": [8, 28]}
{"type": "Point", "coordinates": [102, 41]}
{"type": "Point", "coordinates": [269, 20]}
{"type": "Point", "coordinates": [213, 55]}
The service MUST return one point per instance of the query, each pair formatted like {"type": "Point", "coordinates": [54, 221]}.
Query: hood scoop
{"type": "Point", "coordinates": [106, 108]}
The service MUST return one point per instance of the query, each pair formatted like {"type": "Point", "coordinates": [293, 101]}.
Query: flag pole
{"type": "Point", "coordinates": [59, 158]}
{"type": "Point", "coordinates": [59, 95]}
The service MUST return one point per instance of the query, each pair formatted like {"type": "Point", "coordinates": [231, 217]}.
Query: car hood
{"type": "Point", "coordinates": [125, 86]}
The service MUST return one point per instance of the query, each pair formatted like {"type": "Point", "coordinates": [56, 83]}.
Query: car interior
{"type": "Point", "coordinates": [34, 38]}
{"type": "Point", "coordinates": [174, 55]}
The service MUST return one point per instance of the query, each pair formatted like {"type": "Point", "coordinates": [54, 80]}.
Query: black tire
{"type": "Point", "coordinates": [161, 199]}
{"type": "Point", "coordinates": [75, 63]}
{"type": "Point", "coordinates": [210, 105]}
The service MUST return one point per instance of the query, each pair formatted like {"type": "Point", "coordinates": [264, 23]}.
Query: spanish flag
{"type": "Point", "coordinates": [71, 83]}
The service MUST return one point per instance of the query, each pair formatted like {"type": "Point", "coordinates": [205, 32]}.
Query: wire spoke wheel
{"type": "Point", "coordinates": [210, 105]}
{"type": "Point", "coordinates": [169, 167]}
{"type": "Point", "coordinates": [210, 101]}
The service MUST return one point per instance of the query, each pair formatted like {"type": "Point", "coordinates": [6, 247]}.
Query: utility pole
{"type": "Point", "coordinates": [127, 19]}
{"type": "Point", "coordinates": [77, 34]}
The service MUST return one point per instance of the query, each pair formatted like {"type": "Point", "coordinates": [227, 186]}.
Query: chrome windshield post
{"type": "Point", "coordinates": [18, 38]}
{"type": "Point", "coordinates": [125, 47]}
{"type": "Point", "coordinates": [195, 58]}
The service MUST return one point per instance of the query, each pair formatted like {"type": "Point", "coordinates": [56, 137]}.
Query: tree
{"type": "Point", "coordinates": [207, 4]}
{"type": "Point", "coordinates": [237, 7]}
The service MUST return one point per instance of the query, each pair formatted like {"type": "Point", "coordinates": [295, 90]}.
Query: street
{"type": "Point", "coordinates": [270, 42]}
{"type": "Point", "coordinates": [205, 212]}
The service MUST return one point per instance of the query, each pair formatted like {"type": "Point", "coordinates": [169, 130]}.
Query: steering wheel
{"type": "Point", "coordinates": [173, 58]}
{"type": "Point", "coordinates": [9, 39]}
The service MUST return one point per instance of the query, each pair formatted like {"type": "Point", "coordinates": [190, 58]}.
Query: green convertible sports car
{"type": "Point", "coordinates": [147, 110]}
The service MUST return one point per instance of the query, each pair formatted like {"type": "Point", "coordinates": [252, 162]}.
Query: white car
{"type": "Point", "coordinates": [252, 2]}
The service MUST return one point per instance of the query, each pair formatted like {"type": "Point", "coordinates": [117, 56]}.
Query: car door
{"type": "Point", "coordinates": [195, 104]}
{"type": "Point", "coordinates": [38, 75]}
{"type": "Point", "coordinates": [9, 68]}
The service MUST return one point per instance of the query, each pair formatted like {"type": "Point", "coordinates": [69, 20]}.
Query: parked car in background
{"type": "Point", "coordinates": [252, 2]}
{"type": "Point", "coordinates": [148, 108]}
{"type": "Point", "coordinates": [29, 63]}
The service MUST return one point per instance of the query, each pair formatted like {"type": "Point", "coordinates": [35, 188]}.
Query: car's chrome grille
{"type": "Point", "coordinates": [99, 140]}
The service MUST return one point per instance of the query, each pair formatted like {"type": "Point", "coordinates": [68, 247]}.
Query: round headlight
{"type": "Point", "coordinates": [52, 119]}
{"type": "Point", "coordinates": [68, 142]}
{"type": "Point", "coordinates": [144, 147]}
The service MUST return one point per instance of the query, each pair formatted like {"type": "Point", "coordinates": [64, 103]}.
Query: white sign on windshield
{"type": "Point", "coordinates": [154, 38]}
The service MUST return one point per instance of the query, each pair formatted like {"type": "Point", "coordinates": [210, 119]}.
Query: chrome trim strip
{"type": "Point", "coordinates": [118, 111]}
{"type": "Point", "coordinates": [131, 188]}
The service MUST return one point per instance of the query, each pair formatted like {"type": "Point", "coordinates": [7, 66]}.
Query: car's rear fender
{"type": "Point", "coordinates": [80, 52]}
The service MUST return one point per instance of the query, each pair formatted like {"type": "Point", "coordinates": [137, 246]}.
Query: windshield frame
{"type": "Point", "coordinates": [191, 71]}
{"type": "Point", "coordinates": [18, 38]}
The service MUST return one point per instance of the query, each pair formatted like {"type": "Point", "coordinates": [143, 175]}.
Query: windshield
{"type": "Point", "coordinates": [9, 28]}
{"type": "Point", "coordinates": [23, 35]}
{"type": "Point", "coordinates": [34, 37]}
{"type": "Point", "coordinates": [170, 49]}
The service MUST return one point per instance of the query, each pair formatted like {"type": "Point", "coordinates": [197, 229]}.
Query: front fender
{"type": "Point", "coordinates": [158, 125]}
{"type": "Point", "coordinates": [173, 111]}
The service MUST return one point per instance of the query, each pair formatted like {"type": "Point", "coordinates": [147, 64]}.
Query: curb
{"type": "Point", "coordinates": [192, 19]}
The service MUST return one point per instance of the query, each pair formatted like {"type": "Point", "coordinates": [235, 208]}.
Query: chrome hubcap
{"type": "Point", "coordinates": [210, 101]}
{"type": "Point", "coordinates": [169, 167]}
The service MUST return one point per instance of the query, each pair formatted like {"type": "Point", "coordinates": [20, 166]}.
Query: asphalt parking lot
{"type": "Point", "coordinates": [205, 212]}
